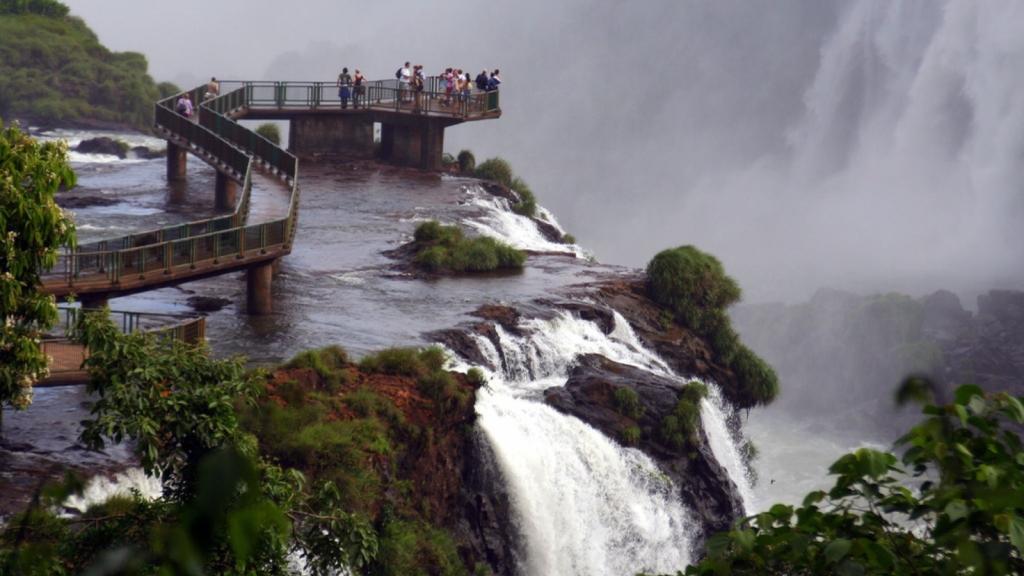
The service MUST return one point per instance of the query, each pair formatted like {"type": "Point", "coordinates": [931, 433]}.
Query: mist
{"type": "Point", "coordinates": [863, 145]}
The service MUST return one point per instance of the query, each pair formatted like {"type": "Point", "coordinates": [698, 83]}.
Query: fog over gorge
{"type": "Point", "coordinates": [865, 145]}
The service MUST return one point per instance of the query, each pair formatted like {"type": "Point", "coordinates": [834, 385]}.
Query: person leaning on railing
{"type": "Point", "coordinates": [358, 90]}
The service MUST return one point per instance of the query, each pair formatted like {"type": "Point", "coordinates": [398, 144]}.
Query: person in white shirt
{"type": "Point", "coordinates": [403, 82]}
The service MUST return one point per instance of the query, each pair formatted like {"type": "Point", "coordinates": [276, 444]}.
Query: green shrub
{"type": "Point", "coordinates": [394, 362]}
{"type": "Point", "coordinates": [434, 358]}
{"type": "Point", "coordinates": [324, 361]}
{"type": "Point", "coordinates": [759, 382]}
{"type": "Point", "coordinates": [441, 387]}
{"type": "Point", "coordinates": [568, 239]}
{"type": "Point", "coordinates": [693, 286]}
{"type": "Point", "coordinates": [467, 162]}
{"type": "Point", "coordinates": [671, 432]}
{"type": "Point", "coordinates": [631, 436]}
{"type": "Point", "coordinates": [366, 403]}
{"type": "Point", "coordinates": [528, 206]}
{"type": "Point", "coordinates": [681, 427]}
{"type": "Point", "coordinates": [447, 160]}
{"type": "Point", "coordinates": [445, 248]}
{"type": "Point", "coordinates": [690, 282]}
{"type": "Point", "coordinates": [270, 131]}
{"type": "Point", "coordinates": [168, 89]}
{"type": "Point", "coordinates": [627, 403]}
{"type": "Point", "coordinates": [496, 169]}
{"type": "Point", "coordinates": [476, 378]}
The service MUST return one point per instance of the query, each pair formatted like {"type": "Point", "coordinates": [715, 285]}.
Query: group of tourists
{"type": "Point", "coordinates": [351, 87]}
{"type": "Point", "coordinates": [455, 85]}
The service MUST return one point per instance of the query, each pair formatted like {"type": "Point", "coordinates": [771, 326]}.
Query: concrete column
{"type": "Point", "coordinates": [176, 162]}
{"type": "Point", "coordinates": [225, 192]}
{"type": "Point", "coordinates": [408, 145]}
{"type": "Point", "coordinates": [275, 267]}
{"type": "Point", "coordinates": [433, 146]}
{"type": "Point", "coordinates": [257, 289]}
{"type": "Point", "coordinates": [347, 134]}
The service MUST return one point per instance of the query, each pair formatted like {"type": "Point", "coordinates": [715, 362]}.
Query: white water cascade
{"type": "Point", "coordinates": [585, 504]}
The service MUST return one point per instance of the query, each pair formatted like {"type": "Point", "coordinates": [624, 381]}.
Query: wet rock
{"type": "Point", "coordinates": [76, 202]}
{"type": "Point", "coordinates": [101, 145]}
{"type": "Point", "coordinates": [504, 315]}
{"type": "Point", "coordinates": [485, 523]}
{"type": "Point", "coordinates": [145, 153]}
{"type": "Point", "coordinates": [548, 230]}
{"type": "Point", "coordinates": [207, 303]}
{"type": "Point", "coordinates": [589, 395]}
{"type": "Point", "coordinates": [501, 191]}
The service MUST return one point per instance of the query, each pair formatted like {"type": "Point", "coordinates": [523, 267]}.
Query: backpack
{"type": "Point", "coordinates": [181, 107]}
{"type": "Point", "coordinates": [398, 74]}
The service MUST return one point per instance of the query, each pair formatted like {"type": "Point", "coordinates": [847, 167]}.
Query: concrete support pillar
{"type": "Point", "coordinates": [226, 192]}
{"type": "Point", "coordinates": [419, 144]}
{"type": "Point", "coordinates": [275, 267]}
{"type": "Point", "coordinates": [344, 134]}
{"type": "Point", "coordinates": [176, 162]}
{"type": "Point", "coordinates": [257, 289]}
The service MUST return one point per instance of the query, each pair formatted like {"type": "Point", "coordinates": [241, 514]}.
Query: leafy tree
{"type": "Point", "coordinates": [955, 506]}
{"type": "Point", "coordinates": [32, 229]}
{"type": "Point", "coordinates": [223, 509]}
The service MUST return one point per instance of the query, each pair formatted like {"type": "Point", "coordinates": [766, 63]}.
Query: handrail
{"type": "Point", "coordinates": [380, 95]}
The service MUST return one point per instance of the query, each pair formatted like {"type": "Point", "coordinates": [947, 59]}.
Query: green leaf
{"type": "Point", "coordinates": [956, 510]}
{"type": "Point", "coordinates": [744, 540]}
{"type": "Point", "coordinates": [964, 393]}
{"type": "Point", "coordinates": [836, 550]}
{"type": "Point", "coordinates": [718, 545]}
{"type": "Point", "coordinates": [1017, 533]}
{"type": "Point", "coordinates": [850, 567]}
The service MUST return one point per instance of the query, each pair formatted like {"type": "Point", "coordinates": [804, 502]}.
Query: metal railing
{"type": "Point", "coordinates": [67, 355]}
{"type": "Point", "coordinates": [383, 95]}
{"type": "Point", "coordinates": [144, 254]}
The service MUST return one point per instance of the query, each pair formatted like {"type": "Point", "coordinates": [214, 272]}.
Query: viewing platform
{"type": "Point", "coordinates": [412, 123]}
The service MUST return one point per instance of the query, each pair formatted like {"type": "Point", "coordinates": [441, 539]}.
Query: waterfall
{"type": "Point", "coordinates": [99, 489]}
{"type": "Point", "coordinates": [583, 503]}
{"type": "Point", "coordinates": [501, 223]}
{"type": "Point", "coordinates": [724, 446]}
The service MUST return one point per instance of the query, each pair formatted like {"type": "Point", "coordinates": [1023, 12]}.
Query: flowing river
{"type": "Point", "coordinates": [583, 503]}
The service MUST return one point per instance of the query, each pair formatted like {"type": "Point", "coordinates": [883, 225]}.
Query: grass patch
{"type": "Point", "coordinates": [394, 362]}
{"type": "Point", "coordinates": [693, 287]}
{"type": "Point", "coordinates": [681, 427]}
{"type": "Point", "coordinates": [328, 363]}
{"type": "Point", "coordinates": [631, 436]}
{"type": "Point", "coordinates": [476, 378]}
{"type": "Point", "coordinates": [270, 131]}
{"type": "Point", "coordinates": [441, 387]}
{"type": "Point", "coordinates": [568, 239]}
{"type": "Point", "coordinates": [627, 403]}
{"type": "Point", "coordinates": [446, 248]}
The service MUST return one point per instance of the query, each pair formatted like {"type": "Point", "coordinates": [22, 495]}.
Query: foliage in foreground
{"type": "Point", "coordinates": [53, 66]}
{"type": "Point", "coordinates": [693, 286]}
{"type": "Point", "coordinates": [32, 229]}
{"type": "Point", "coordinates": [955, 506]}
{"type": "Point", "coordinates": [223, 509]}
{"type": "Point", "coordinates": [442, 247]}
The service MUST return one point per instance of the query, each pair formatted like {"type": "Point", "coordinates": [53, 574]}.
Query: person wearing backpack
{"type": "Point", "coordinates": [184, 106]}
{"type": "Point", "coordinates": [481, 81]}
{"type": "Point", "coordinates": [344, 81]}
{"type": "Point", "coordinates": [404, 76]}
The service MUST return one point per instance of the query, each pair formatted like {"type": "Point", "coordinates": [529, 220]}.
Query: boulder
{"type": "Point", "coordinates": [101, 145]}
{"type": "Point", "coordinates": [500, 190]}
{"type": "Point", "coordinates": [589, 394]}
{"type": "Point", "coordinates": [548, 230]}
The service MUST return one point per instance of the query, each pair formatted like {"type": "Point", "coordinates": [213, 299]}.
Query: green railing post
{"type": "Point", "coordinates": [263, 238]}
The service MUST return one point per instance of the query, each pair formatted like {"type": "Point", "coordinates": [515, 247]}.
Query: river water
{"type": "Point", "coordinates": [584, 504]}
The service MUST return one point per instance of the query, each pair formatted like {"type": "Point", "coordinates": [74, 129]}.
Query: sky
{"type": "Point", "coordinates": [861, 144]}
